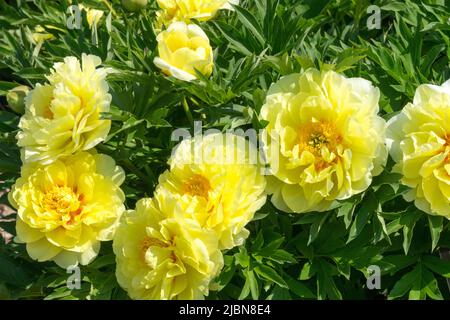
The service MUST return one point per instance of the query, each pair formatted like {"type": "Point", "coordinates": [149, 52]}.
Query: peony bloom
{"type": "Point", "coordinates": [324, 140]}
{"type": "Point", "coordinates": [66, 208]}
{"type": "Point", "coordinates": [63, 116]}
{"type": "Point", "coordinates": [182, 50]}
{"type": "Point", "coordinates": [186, 10]}
{"type": "Point", "coordinates": [160, 255]}
{"type": "Point", "coordinates": [218, 180]}
{"type": "Point", "coordinates": [419, 141]}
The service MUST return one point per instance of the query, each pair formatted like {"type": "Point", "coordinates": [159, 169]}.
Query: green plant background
{"type": "Point", "coordinates": [307, 256]}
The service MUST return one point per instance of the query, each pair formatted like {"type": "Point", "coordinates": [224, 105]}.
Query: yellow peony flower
{"type": "Point", "coordinates": [66, 208]}
{"type": "Point", "coordinates": [217, 179]}
{"type": "Point", "coordinates": [160, 255]}
{"type": "Point", "coordinates": [182, 50]}
{"type": "Point", "coordinates": [63, 117]}
{"type": "Point", "coordinates": [419, 141]}
{"type": "Point", "coordinates": [186, 10]}
{"type": "Point", "coordinates": [324, 140]}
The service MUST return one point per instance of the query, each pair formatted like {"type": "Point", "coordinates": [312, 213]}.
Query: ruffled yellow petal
{"type": "Point", "coordinates": [324, 140]}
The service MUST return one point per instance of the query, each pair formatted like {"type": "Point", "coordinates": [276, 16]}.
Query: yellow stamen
{"type": "Point", "coordinates": [314, 136]}
{"type": "Point", "coordinates": [151, 242]}
{"type": "Point", "coordinates": [197, 185]}
{"type": "Point", "coordinates": [62, 200]}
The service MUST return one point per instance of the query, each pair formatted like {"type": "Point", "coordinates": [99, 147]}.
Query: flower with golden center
{"type": "Point", "coordinates": [217, 178]}
{"type": "Point", "coordinates": [66, 208]}
{"type": "Point", "coordinates": [419, 141]}
{"type": "Point", "coordinates": [187, 10]}
{"type": "Point", "coordinates": [183, 49]}
{"type": "Point", "coordinates": [160, 255]}
{"type": "Point", "coordinates": [64, 116]}
{"type": "Point", "coordinates": [324, 139]}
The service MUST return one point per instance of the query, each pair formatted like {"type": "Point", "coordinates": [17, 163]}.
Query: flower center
{"type": "Point", "coordinates": [62, 200]}
{"type": "Point", "coordinates": [151, 242]}
{"type": "Point", "coordinates": [197, 185]}
{"type": "Point", "coordinates": [315, 135]}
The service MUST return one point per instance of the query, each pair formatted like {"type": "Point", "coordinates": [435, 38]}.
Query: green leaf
{"type": "Point", "coordinates": [316, 226]}
{"type": "Point", "coordinates": [391, 264]}
{"type": "Point", "coordinates": [282, 256]}
{"type": "Point", "coordinates": [299, 288]}
{"type": "Point", "coordinates": [431, 285]}
{"type": "Point", "coordinates": [368, 207]}
{"type": "Point", "coordinates": [425, 285]}
{"type": "Point", "coordinates": [6, 86]}
{"type": "Point", "coordinates": [242, 258]}
{"type": "Point", "coordinates": [436, 224]}
{"type": "Point", "coordinates": [380, 229]}
{"type": "Point", "coordinates": [405, 283]}
{"type": "Point", "coordinates": [250, 22]}
{"type": "Point", "coordinates": [420, 283]}
{"type": "Point", "coordinates": [437, 265]}
{"type": "Point", "coordinates": [306, 273]}
{"type": "Point", "coordinates": [254, 288]}
{"type": "Point", "coordinates": [270, 274]}
{"type": "Point", "coordinates": [227, 273]}
{"type": "Point", "coordinates": [13, 273]}
{"type": "Point", "coordinates": [234, 43]}
{"type": "Point", "coordinates": [346, 210]}
{"type": "Point", "coordinates": [326, 287]}
{"type": "Point", "coordinates": [408, 220]}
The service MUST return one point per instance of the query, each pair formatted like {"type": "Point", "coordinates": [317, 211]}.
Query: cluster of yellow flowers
{"type": "Point", "coordinates": [184, 48]}
{"type": "Point", "coordinates": [68, 197]}
{"type": "Point", "coordinates": [324, 142]}
{"type": "Point", "coordinates": [170, 246]}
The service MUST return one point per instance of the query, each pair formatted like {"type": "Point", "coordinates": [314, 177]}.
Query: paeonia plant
{"type": "Point", "coordinates": [193, 149]}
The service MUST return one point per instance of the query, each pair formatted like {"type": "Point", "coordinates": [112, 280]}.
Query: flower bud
{"type": "Point", "coordinates": [134, 5]}
{"type": "Point", "coordinates": [16, 98]}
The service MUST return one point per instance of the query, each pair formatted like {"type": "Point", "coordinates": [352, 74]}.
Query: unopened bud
{"type": "Point", "coordinates": [16, 98]}
{"type": "Point", "coordinates": [134, 5]}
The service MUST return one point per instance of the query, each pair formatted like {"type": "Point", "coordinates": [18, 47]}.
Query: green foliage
{"type": "Point", "coordinates": [308, 256]}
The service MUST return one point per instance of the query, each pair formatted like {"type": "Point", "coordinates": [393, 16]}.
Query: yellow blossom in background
{"type": "Point", "coordinates": [218, 180]}
{"type": "Point", "coordinates": [66, 208]}
{"type": "Point", "coordinates": [160, 255]}
{"type": "Point", "coordinates": [93, 16]}
{"type": "Point", "coordinates": [182, 50]}
{"type": "Point", "coordinates": [64, 116]}
{"type": "Point", "coordinates": [419, 141]}
{"type": "Point", "coordinates": [324, 139]}
{"type": "Point", "coordinates": [186, 10]}
{"type": "Point", "coordinates": [40, 35]}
